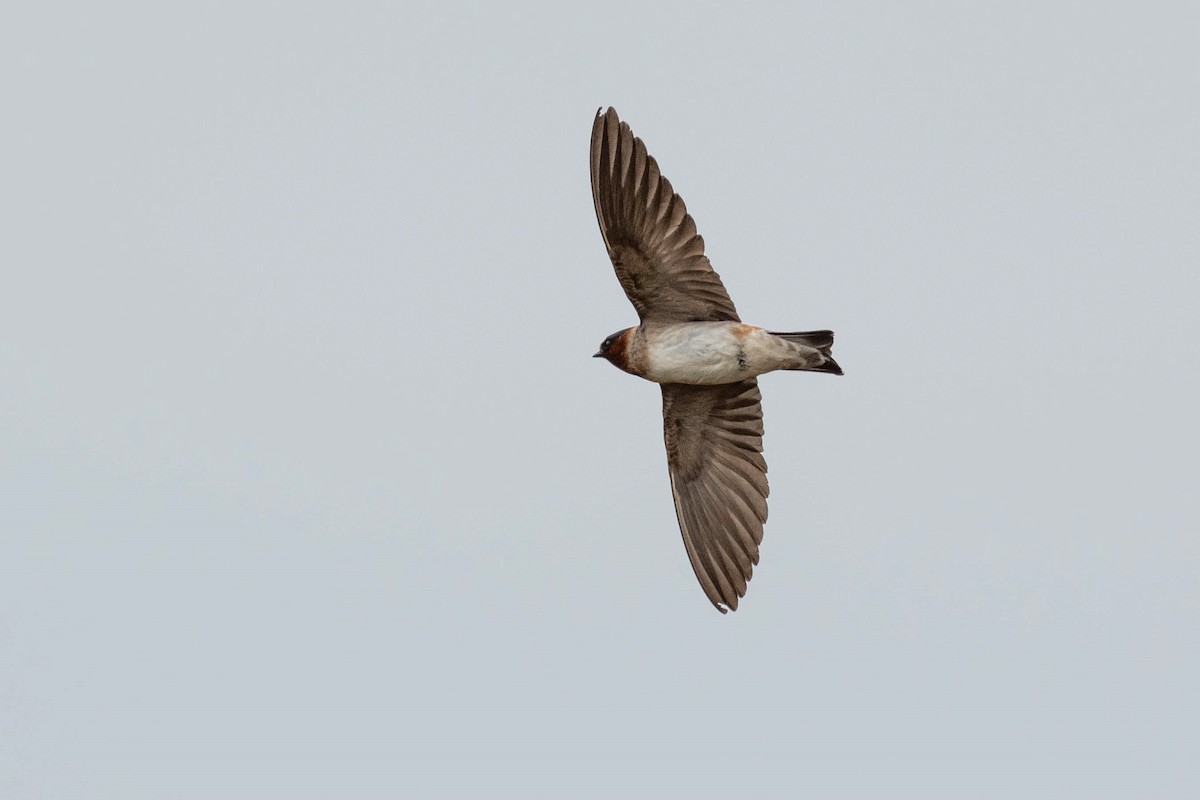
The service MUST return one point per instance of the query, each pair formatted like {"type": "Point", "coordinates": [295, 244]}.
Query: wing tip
{"type": "Point", "coordinates": [604, 113]}
{"type": "Point", "coordinates": [725, 606]}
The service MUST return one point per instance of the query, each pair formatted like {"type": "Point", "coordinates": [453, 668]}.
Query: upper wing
{"type": "Point", "coordinates": [651, 238]}
{"type": "Point", "coordinates": [719, 479]}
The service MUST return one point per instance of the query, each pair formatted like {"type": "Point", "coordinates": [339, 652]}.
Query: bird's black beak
{"type": "Point", "coordinates": [598, 354]}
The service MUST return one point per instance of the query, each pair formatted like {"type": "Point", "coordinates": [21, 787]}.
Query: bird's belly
{"type": "Point", "coordinates": [705, 354]}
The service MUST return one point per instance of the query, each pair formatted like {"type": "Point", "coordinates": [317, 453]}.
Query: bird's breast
{"type": "Point", "coordinates": [704, 353]}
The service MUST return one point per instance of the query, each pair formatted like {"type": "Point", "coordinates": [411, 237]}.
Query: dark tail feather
{"type": "Point", "coordinates": [829, 366]}
{"type": "Point", "coordinates": [821, 340]}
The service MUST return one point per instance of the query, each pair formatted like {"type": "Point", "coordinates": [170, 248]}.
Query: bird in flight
{"type": "Point", "coordinates": [692, 342]}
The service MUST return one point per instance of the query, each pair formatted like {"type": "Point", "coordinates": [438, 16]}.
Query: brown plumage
{"type": "Point", "coordinates": [651, 238]}
{"type": "Point", "coordinates": [712, 413]}
{"type": "Point", "coordinates": [719, 481]}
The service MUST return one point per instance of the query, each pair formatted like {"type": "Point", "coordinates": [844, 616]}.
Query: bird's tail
{"type": "Point", "coordinates": [819, 340]}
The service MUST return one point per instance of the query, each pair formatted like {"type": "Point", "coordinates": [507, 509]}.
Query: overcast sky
{"type": "Point", "coordinates": [309, 487]}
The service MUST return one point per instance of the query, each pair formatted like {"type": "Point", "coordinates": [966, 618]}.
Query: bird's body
{"type": "Point", "coordinates": [692, 342]}
{"type": "Point", "coordinates": [711, 353]}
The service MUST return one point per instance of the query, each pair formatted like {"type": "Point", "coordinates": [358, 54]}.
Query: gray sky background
{"type": "Point", "coordinates": [309, 487]}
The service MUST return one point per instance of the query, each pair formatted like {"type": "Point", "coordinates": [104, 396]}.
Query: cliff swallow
{"type": "Point", "coordinates": [692, 342]}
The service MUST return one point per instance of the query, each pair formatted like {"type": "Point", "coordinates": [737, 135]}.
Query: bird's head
{"type": "Point", "coordinates": [615, 348]}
